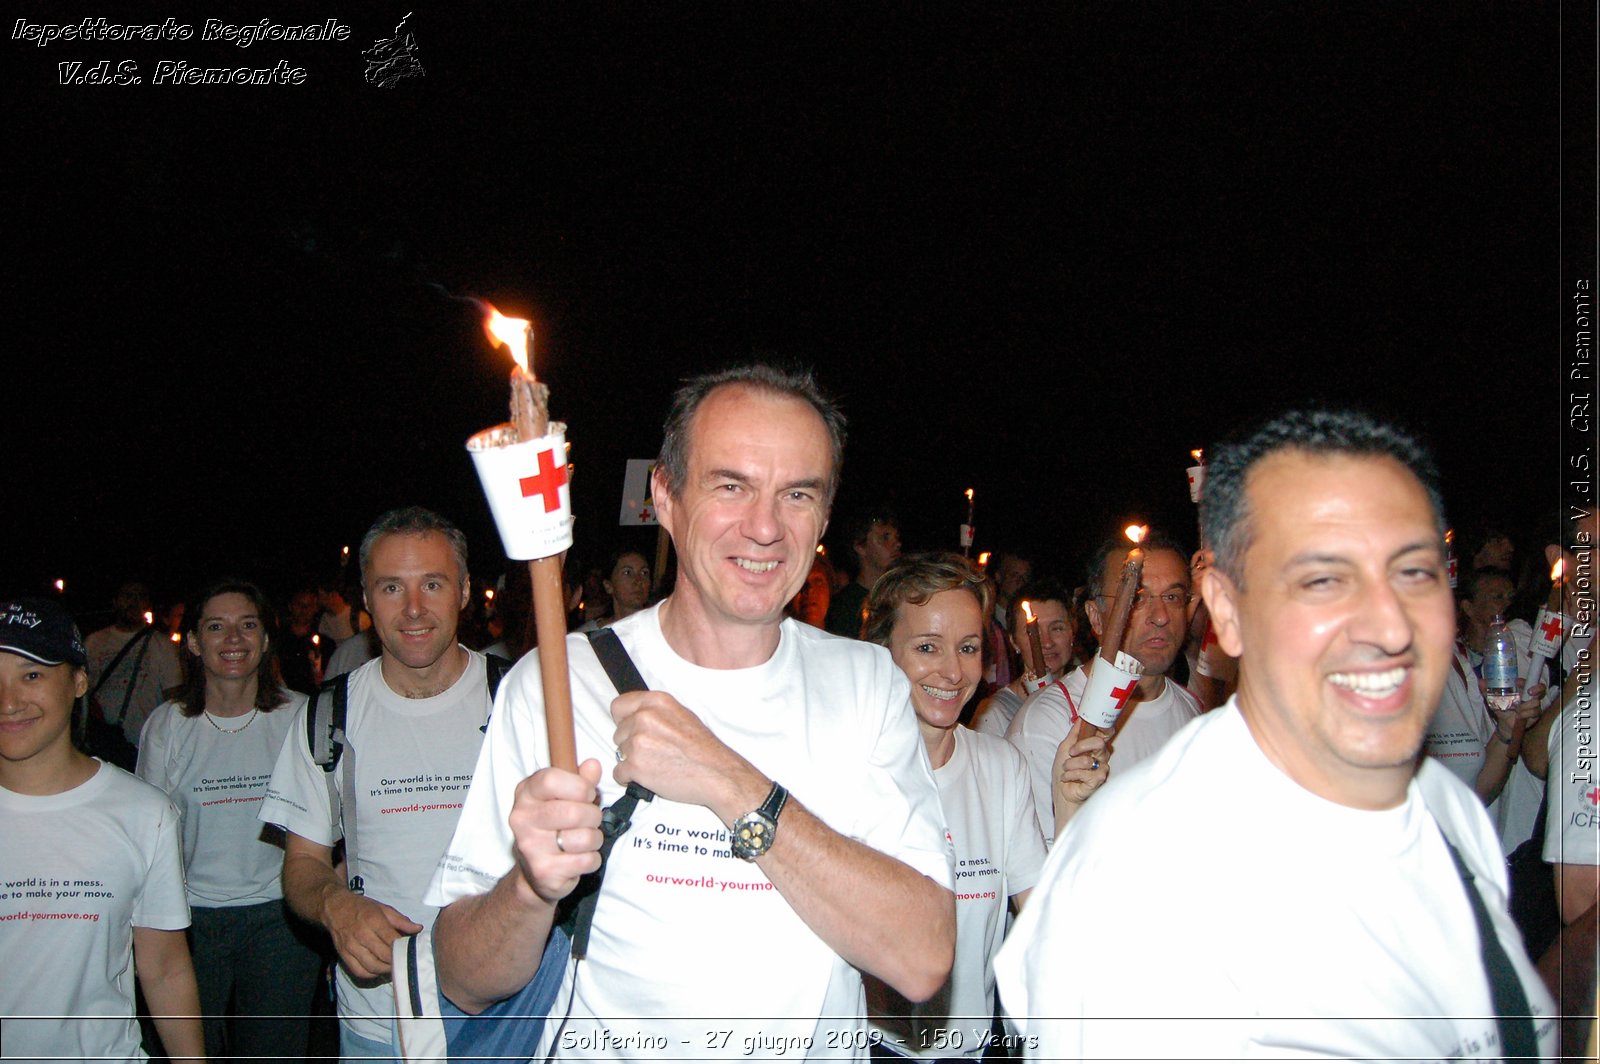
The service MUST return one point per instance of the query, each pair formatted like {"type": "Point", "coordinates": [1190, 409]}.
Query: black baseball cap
{"type": "Point", "coordinates": [42, 631]}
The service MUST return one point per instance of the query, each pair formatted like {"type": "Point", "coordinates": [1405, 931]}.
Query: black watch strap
{"type": "Point", "coordinates": [777, 798]}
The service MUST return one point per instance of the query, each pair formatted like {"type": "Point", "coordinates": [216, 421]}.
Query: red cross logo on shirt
{"type": "Point", "coordinates": [1594, 796]}
{"type": "Point", "coordinates": [1122, 694]}
{"type": "Point", "coordinates": [546, 482]}
{"type": "Point", "coordinates": [1210, 640]}
{"type": "Point", "coordinates": [1551, 627]}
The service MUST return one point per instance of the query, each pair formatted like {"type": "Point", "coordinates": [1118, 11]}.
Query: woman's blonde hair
{"type": "Point", "coordinates": [916, 578]}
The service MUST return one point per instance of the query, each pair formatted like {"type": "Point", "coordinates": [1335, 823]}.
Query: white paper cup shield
{"type": "Point", "coordinates": [1548, 631]}
{"type": "Point", "coordinates": [1197, 482]}
{"type": "Point", "coordinates": [527, 488]}
{"type": "Point", "coordinates": [1110, 687]}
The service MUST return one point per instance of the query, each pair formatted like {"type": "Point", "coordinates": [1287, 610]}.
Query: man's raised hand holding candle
{"type": "Point", "coordinates": [1153, 709]}
{"type": "Point", "coordinates": [796, 837]}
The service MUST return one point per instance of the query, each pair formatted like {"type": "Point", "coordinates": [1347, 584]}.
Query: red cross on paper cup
{"type": "Point", "coordinates": [1547, 632]}
{"type": "Point", "coordinates": [547, 482]}
{"type": "Point", "coordinates": [1108, 691]}
{"type": "Point", "coordinates": [528, 489]}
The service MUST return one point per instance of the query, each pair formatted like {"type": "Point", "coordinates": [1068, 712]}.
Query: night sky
{"type": "Point", "coordinates": [1042, 251]}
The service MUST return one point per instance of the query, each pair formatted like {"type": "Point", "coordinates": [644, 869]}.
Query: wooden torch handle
{"type": "Point", "coordinates": [550, 621]}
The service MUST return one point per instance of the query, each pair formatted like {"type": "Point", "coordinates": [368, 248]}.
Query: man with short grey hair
{"type": "Point", "coordinates": [414, 722]}
{"type": "Point", "coordinates": [795, 838]}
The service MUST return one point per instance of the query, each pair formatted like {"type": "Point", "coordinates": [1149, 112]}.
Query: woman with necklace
{"type": "Point", "coordinates": [212, 748]}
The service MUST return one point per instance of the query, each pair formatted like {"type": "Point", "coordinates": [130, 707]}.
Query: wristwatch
{"type": "Point", "coordinates": [753, 834]}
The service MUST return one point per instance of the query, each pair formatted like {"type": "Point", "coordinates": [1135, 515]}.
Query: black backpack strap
{"type": "Point", "coordinates": [494, 670]}
{"type": "Point", "coordinates": [577, 914]}
{"type": "Point", "coordinates": [614, 659]}
{"type": "Point", "coordinates": [325, 721]}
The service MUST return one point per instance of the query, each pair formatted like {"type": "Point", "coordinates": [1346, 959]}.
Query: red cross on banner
{"type": "Point", "coordinates": [1551, 627]}
{"type": "Point", "coordinates": [546, 482]}
{"type": "Point", "coordinates": [1594, 796]}
{"type": "Point", "coordinates": [1210, 640]}
{"type": "Point", "coordinates": [1122, 694]}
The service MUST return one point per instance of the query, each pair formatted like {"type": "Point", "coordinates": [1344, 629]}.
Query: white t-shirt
{"type": "Point", "coordinates": [1461, 727]}
{"type": "Point", "coordinates": [996, 713]}
{"type": "Point", "coordinates": [413, 760]}
{"type": "Point", "coordinates": [1047, 716]}
{"type": "Point", "coordinates": [999, 853]}
{"type": "Point", "coordinates": [671, 968]}
{"type": "Point", "coordinates": [1572, 829]}
{"type": "Point", "coordinates": [351, 654]}
{"type": "Point", "coordinates": [158, 670]}
{"type": "Point", "coordinates": [80, 870]}
{"type": "Point", "coordinates": [215, 770]}
{"type": "Point", "coordinates": [1206, 906]}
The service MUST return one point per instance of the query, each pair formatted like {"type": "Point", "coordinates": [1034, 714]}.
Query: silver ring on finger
{"type": "Point", "coordinates": [620, 758]}
{"type": "Point", "coordinates": [559, 844]}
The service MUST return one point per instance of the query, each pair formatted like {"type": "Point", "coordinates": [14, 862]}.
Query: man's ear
{"type": "Point", "coordinates": [1221, 598]}
{"type": "Point", "coordinates": [661, 498]}
{"type": "Point", "coordinates": [1091, 607]}
{"type": "Point", "coordinates": [466, 590]}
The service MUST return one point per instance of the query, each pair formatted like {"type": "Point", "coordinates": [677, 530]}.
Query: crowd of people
{"type": "Point", "coordinates": [869, 813]}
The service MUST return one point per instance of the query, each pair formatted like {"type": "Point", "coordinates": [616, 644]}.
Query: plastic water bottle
{"type": "Point", "coordinates": [1500, 666]}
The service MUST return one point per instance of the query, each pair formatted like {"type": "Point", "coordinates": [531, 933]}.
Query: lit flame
{"type": "Point", "coordinates": [345, 553]}
{"type": "Point", "coordinates": [1027, 611]}
{"type": "Point", "coordinates": [316, 640]}
{"type": "Point", "coordinates": [983, 558]}
{"type": "Point", "coordinates": [488, 593]}
{"type": "Point", "coordinates": [969, 494]}
{"type": "Point", "coordinates": [149, 618]}
{"type": "Point", "coordinates": [1198, 454]}
{"type": "Point", "coordinates": [61, 585]}
{"type": "Point", "coordinates": [1557, 569]}
{"type": "Point", "coordinates": [1449, 537]}
{"type": "Point", "coordinates": [821, 549]}
{"type": "Point", "coordinates": [176, 638]}
{"type": "Point", "coordinates": [514, 333]}
{"type": "Point", "coordinates": [1136, 532]}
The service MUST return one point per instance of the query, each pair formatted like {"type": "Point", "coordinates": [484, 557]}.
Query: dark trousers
{"type": "Point", "coordinates": [257, 973]}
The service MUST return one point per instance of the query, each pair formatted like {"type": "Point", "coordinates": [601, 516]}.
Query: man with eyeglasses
{"type": "Point", "coordinates": [1155, 636]}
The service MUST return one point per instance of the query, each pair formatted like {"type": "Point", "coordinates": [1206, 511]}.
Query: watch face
{"type": "Point", "coordinates": [752, 835]}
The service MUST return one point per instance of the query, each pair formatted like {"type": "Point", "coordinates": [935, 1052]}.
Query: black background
{"type": "Point", "coordinates": [1038, 250]}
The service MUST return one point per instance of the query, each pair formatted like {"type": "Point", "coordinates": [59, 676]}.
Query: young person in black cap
{"type": "Point", "coordinates": [92, 885]}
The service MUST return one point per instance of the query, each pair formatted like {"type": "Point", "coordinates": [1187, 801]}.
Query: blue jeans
{"type": "Point", "coordinates": [353, 1049]}
{"type": "Point", "coordinates": [256, 978]}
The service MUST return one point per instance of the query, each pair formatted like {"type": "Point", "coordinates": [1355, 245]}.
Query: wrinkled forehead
{"type": "Point", "coordinates": [737, 424]}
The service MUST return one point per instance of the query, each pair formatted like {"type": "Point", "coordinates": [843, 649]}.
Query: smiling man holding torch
{"type": "Point", "coordinates": [1352, 897]}
{"type": "Point", "coordinates": [795, 838]}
